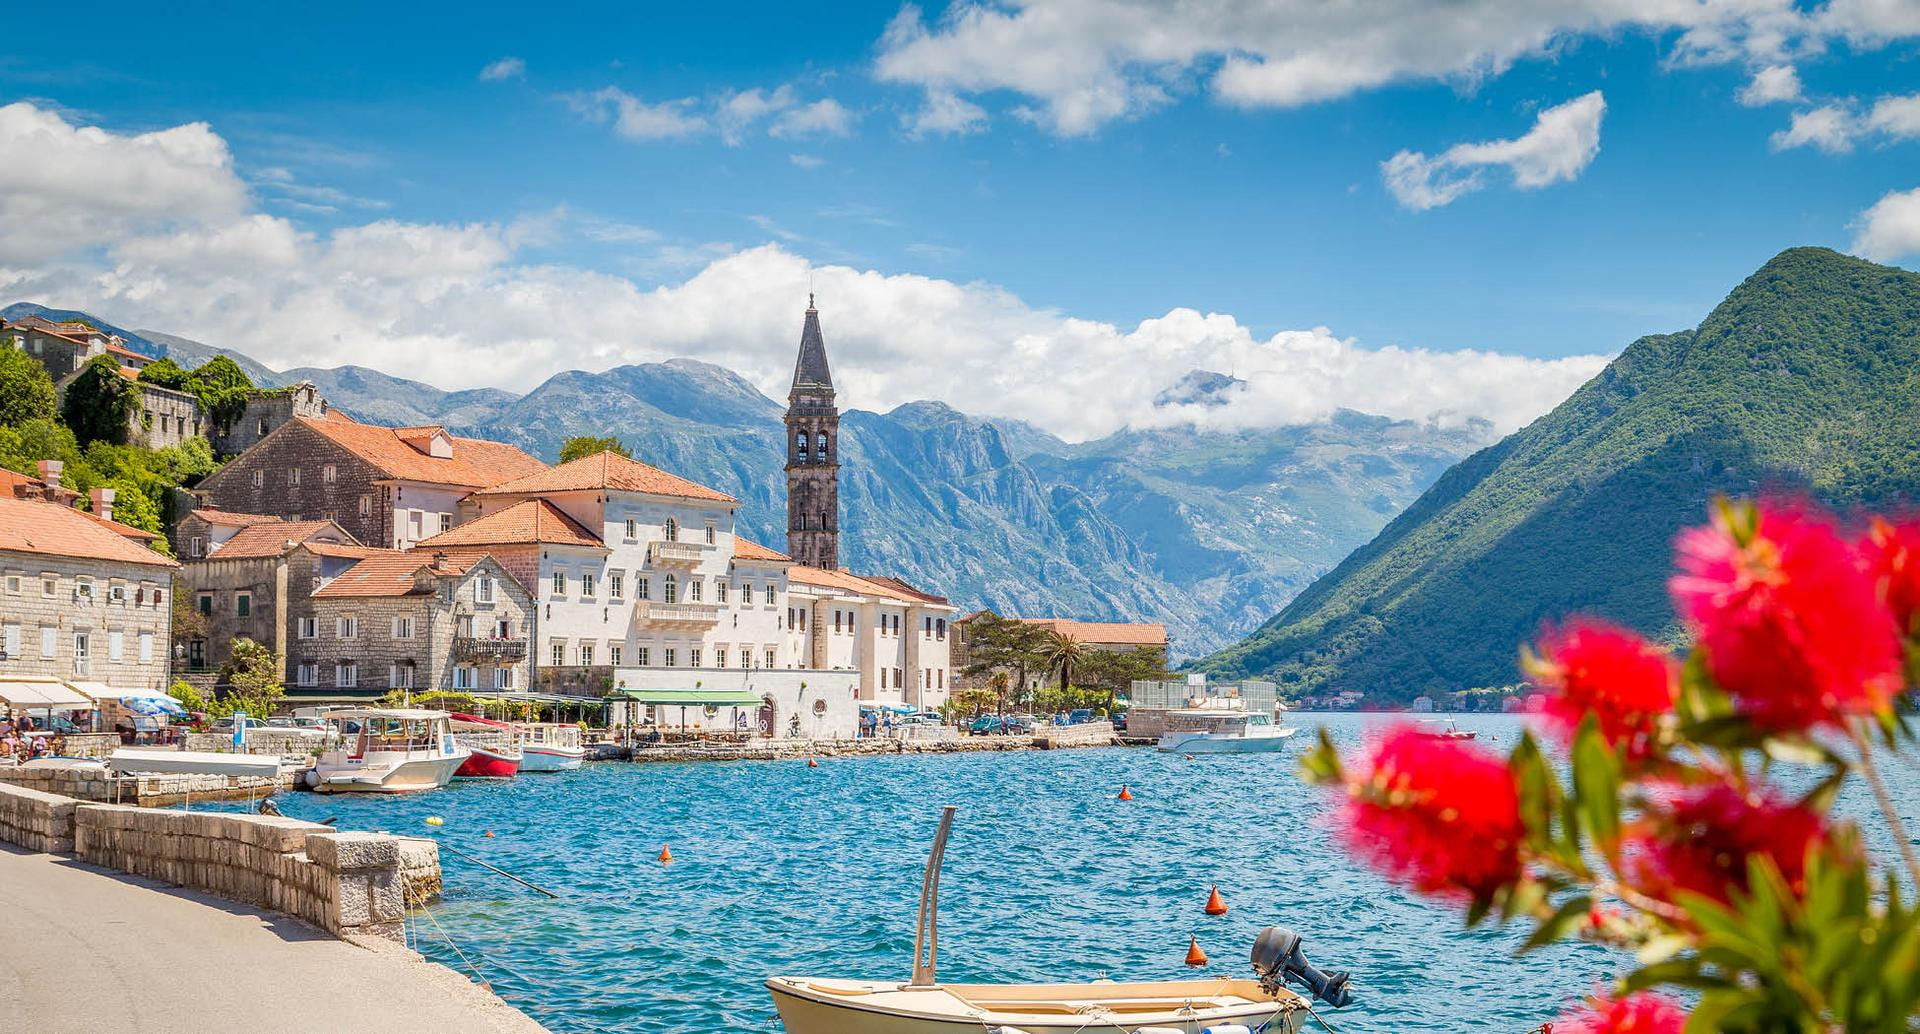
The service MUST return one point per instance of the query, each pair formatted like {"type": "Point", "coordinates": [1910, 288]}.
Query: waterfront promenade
{"type": "Point", "coordinates": [89, 951]}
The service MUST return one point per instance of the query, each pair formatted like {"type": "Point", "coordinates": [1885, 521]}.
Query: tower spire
{"type": "Point", "coordinates": [813, 452]}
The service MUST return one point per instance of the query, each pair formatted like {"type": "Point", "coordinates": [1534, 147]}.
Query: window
{"type": "Point", "coordinates": [293, 476]}
{"type": "Point", "coordinates": [670, 656]}
{"type": "Point", "coordinates": [483, 589]}
{"type": "Point", "coordinates": [800, 446]}
{"type": "Point", "coordinates": [898, 678]}
{"type": "Point", "coordinates": [693, 589]}
{"type": "Point", "coordinates": [586, 585]}
{"type": "Point", "coordinates": [586, 653]}
{"type": "Point", "coordinates": [710, 533]}
{"type": "Point", "coordinates": [673, 590]}
{"type": "Point", "coordinates": [10, 640]}
{"type": "Point", "coordinates": [346, 675]}
{"type": "Point", "coordinates": [308, 628]}
{"type": "Point", "coordinates": [640, 656]}
{"type": "Point", "coordinates": [803, 619]}
{"type": "Point", "coordinates": [463, 626]}
{"type": "Point", "coordinates": [403, 627]}
{"type": "Point", "coordinates": [673, 530]}
{"type": "Point", "coordinates": [770, 662]}
{"type": "Point", "coordinates": [693, 657]}
{"type": "Point", "coordinates": [746, 594]}
{"type": "Point", "coordinates": [197, 546]}
{"type": "Point", "coordinates": [346, 628]}
{"type": "Point", "coordinates": [259, 478]}
{"type": "Point", "coordinates": [48, 636]}
{"type": "Point", "coordinates": [614, 654]}
{"type": "Point", "coordinates": [83, 589]}
{"type": "Point", "coordinates": [940, 629]}
{"type": "Point", "coordinates": [243, 604]}
{"type": "Point", "coordinates": [559, 652]}
{"type": "Point", "coordinates": [746, 657]}
{"type": "Point", "coordinates": [720, 593]}
{"type": "Point", "coordinates": [50, 584]}
{"type": "Point", "coordinates": [465, 677]}
{"type": "Point", "coordinates": [939, 678]}
{"type": "Point", "coordinates": [503, 678]}
{"type": "Point", "coordinates": [633, 529]}
{"type": "Point", "coordinates": [719, 656]}
{"type": "Point", "coordinates": [446, 522]}
{"type": "Point", "coordinates": [13, 585]}
{"type": "Point", "coordinates": [770, 600]}
{"type": "Point", "coordinates": [146, 647]}
{"type": "Point", "coordinates": [205, 604]}
{"type": "Point", "coordinates": [883, 678]}
{"type": "Point", "coordinates": [329, 474]}
{"type": "Point", "coordinates": [641, 590]}
{"type": "Point", "coordinates": [503, 629]}
{"type": "Point", "coordinates": [366, 506]}
{"type": "Point", "coordinates": [117, 595]}
{"type": "Point", "coordinates": [116, 645]}
{"type": "Point", "coordinates": [559, 583]}
{"type": "Point", "coordinates": [820, 446]}
{"type": "Point", "coordinates": [400, 676]}
{"type": "Point", "coordinates": [261, 426]}
{"type": "Point", "coordinates": [307, 675]}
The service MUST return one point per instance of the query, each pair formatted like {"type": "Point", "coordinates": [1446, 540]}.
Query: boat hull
{"type": "Point", "coordinates": [488, 764]}
{"type": "Point", "coordinates": [410, 776]}
{"type": "Point", "coordinates": [1209, 743]}
{"type": "Point", "coordinates": [849, 1007]}
{"type": "Point", "coordinates": [551, 759]}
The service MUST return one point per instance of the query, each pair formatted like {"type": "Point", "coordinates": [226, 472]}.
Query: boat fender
{"type": "Point", "coordinates": [312, 778]}
{"type": "Point", "coordinates": [1228, 1028]}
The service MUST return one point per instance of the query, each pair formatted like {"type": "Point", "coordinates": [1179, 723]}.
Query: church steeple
{"type": "Point", "coordinates": [813, 453]}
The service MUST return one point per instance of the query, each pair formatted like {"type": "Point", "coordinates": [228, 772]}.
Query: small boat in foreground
{"type": "Point", "coordinates": [550, 747]}
{"type": "Point", "coordinates": [387, 750]}
{"type": "Point", "coordinates": [495, 746]}
{"type": "Point", "coordinates": [1443, 729]}
{"type": "Point", "coordinates": [923, 1005]}
{"type": "Point", "coordinates": [1222, 731]}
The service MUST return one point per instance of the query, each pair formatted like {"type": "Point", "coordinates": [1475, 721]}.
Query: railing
{"type": "Point", "coordinates": [680, 553]}
{"type": "Point", "coordinates": [647, 612]}
{"type": "Point", "coordinates": [466, 647]}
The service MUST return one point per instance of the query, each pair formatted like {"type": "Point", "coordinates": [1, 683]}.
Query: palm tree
{"type": "Point", "coordinates": [1061, 652]}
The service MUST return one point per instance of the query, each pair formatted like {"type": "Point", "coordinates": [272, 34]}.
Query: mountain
{"type": "Point", "coordinates": [1207, 532]}
{"type": "Point", "coordinates": [1805, 380]}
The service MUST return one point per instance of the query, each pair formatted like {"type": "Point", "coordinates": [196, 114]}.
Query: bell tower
{"type": "Point", "coordinates": [813, 454]}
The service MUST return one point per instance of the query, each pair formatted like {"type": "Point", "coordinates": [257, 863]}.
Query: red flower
{"type": "Point", "coordinates": [1638, 1013]}
{"type": "Point", "coordinates": [1439, 815]}
{"type": "Point", "coordinates": [1893, 558]}
{"type": "Point", "coordinates": [1788, 618]}
{"type": "Point", "coordinates": [1700, 841]}
{"type": "Point", "coordinates": [1593, 667]}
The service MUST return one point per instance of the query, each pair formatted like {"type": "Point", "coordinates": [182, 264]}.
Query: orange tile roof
{"type": "Point", "coordinates": [114, 349]}
{"type": "Point", "coordinates": [232, 518]}
{"type": "Point", "coordinates": [475, 463]}
{"type": "Point", "coordinates": [535, 520]}
{"type": "Point", "coordinates": [342, 549]}
{"type": "Point", "coordinates": [391, 573]}
{"type": "Point", "coordinates": [1115, 633]}
{"type": "Point", "coordinates": [604, 470]}
{"type": "Point", "coordinates": [885, 588]}
{"type": "Point", "coordinates": [745, 550]}
{"type": "Point", "coordinates": [50, 529]}
{"type": "Point", "coordinates": [270, 539]}
{"type": "Point", "coordinates": [122, 530]}
{"type": "Point", "coordinates": [12, 479]}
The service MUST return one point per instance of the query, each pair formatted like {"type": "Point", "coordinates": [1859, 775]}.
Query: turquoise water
{"type": "Point", "coordinates": [781, 868]}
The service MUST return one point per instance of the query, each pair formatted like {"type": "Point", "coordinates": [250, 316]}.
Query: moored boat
{"type": "Point", "coordinates": [550, 747]}
{"type": "Point", "coordinates": [1223, 731]}
{"type": "Point", "coordinates": [1443, 729]}
{"type": "Point", "coordinates": [387, 750]}
{"type": "Point", "coordinates": [495, 746]}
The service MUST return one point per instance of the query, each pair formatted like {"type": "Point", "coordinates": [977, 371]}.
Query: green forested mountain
{"type": "Point", "coordinates": [1806, 379]}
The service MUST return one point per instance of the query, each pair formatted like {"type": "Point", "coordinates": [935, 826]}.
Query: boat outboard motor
{"type": "Point", "coordinates": [1277, 958]}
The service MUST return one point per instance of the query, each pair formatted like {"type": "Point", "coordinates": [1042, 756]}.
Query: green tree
{"type": "Point", "coordinates": [587, 445]}
{"type": "Point", "coordinates": [251, 678]}
{"type": "Point", "coordinates": [1061, 652]}
{"type": "Point", "coordinates": [972, 702]}
{"type": "Point", "coordinates": [26, 392]}
{"type": "Point", "coordinates": [1113, 672]}
{"type": "Point", "coordinates": [189, 697]}
{"type": "Point", "coordinates": [166, 373]}
{"type": "Point", "coordinates": [224, 390]}
{"type": "Point", "coordinates": [997, 644]}
{"type": "Point", "coordinates": [100, 403]}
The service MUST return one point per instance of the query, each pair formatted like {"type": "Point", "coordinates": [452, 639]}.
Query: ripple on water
{"type": "Point", "coordinates": [784, 869]}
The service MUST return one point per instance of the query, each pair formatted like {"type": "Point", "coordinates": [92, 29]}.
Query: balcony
{"type": "Point", "coordinates": [675, 615]}
{"type": "Point", "coordinates": [476, 648]}
{"type": "Point", "coordinates": [679, 554]}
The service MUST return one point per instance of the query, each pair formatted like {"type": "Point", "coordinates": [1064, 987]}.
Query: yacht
{"type": "Point", "coordinates": [387, 750]}
{"type": "Point", "coordinates": [1223, 731]}
{"type": "Point", "coordinates": [550, 747]}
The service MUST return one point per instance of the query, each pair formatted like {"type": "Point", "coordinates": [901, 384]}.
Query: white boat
{"type": "Point", "coordinates": [1443, 729]}
{"type": "Point", "coordinates": [387, 750]}
{"type": "Point", "coordinates": [161, 761]}
{"type": "Point", "coordinates": [550, 747]}
{"type": "Point", "coordinates": [1223, 731]}
{"type": "Point", "coordinates": [61, 761]}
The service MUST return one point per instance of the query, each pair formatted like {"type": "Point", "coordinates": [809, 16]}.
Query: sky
{"type": "Point", "coordinates": [1048, 210]}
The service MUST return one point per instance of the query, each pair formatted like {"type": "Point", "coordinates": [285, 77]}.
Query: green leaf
{"type": "Point", "coordinates": [1564, 920]}
{"type": "Point", "coordinates": [1320, 765]}
{"type": "Point", "coordinates": [1596, 783]}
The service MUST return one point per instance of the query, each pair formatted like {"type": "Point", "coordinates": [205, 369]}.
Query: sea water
{"type": "Point", "coordinates": [784, 869]}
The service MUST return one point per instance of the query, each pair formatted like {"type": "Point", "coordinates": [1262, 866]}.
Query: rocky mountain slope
{"type": "Point", "coordinates": [1805, 380]}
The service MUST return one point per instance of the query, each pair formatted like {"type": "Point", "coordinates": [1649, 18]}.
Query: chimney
{"type": "Point", "coordinates": [102, 503]}
{"type": "Point", "coordinates": [439, 560]}
{"type": "Point", "coordinates": [50, 472]}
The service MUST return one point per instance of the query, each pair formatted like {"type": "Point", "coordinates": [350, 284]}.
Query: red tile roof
{"type": "Point", "coordinates": [122, 530]}
{"type": "Point", "coordinates": [535, 520]}
{"type": "Point", "coordinates": [745, 550]}
{"type": "Point", "coordinates": [391, 573]}
{"type": "Point", "coordinates": [608, 470]}
{"type": "Point", "coordinates": [233, 519]}
{"type": "Point", "coordinates": [342, 549]}
{"type": "Point", "coordinates": [270, 539]}
{"type": "Point", "coordinates": [1104, 632]}
{"type": "Point", "coordinates": [50, 529]}
{"type": "Point", "coordinates": [475, 463]}
{"type": "Point", "coordinates": [885, 588]}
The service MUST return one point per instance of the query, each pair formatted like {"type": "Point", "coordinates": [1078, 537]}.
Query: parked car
{"type": "Point", "coordinates": [987, 725]}
{"type": "Point", "coordinates": [1119, 720]}
{"type": "Point", "coordinates": [1018, 724]}
{"type": "Point", "coordinates": [52, 724]}
{"type": "Point", "coordinates": [1081, 716]}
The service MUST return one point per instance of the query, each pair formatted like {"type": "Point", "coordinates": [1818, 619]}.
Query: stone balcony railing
{"type": "Point", "coordinates": [675, 615]}
{"type": "Point", "coordinates": [486, 648]}
{"type": "Point", "coordinates": [679, 554]}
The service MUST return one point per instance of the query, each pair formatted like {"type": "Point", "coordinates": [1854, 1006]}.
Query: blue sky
{"type": "Point", "coordinates": [1185, 189]}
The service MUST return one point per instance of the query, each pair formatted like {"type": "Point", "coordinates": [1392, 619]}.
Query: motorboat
{"type": "Point", "coordinates": [1443, 729]}
{"type": "Point", "coordinates": [550, 747]}
{"type": "Point", "coordinates": [495, 746]}
{"type": "Point", "coordinates": [1223, 731]}
{"type": "Point", "coordinates": [387, 750]}
{"type": "Point", "coordinates": [923, 1005]}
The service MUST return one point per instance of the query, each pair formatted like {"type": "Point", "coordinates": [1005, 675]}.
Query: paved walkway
{"type": "Point", "coordinates": [85, 950]}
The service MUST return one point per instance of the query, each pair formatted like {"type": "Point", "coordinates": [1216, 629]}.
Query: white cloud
{"type": "Point", "coordinates": [1830, 127]}
{"type": "Point", "coordinates": [464, 308]}
{"type": "Point", "coordinates": [1773, 84]}
{"type": "Point", "coordinates": [945, 113]}
{"type": "Point", "coordinates": [1563, 141]}
{"type": "Point", "coordinates": [1890, 229]}
{"type": "Point", "coordinates": [807, 161]}
{"type": "Point", "coordinates": [1897, 117]}
{"type": "Point", "coordinates": [1082, 63]}
{"type": "Point", "coordinates": [824, 117]}
{"type": "Point", "coordinates": [503, 69]}
{"type": "Point", "coordinates": [636, 119]}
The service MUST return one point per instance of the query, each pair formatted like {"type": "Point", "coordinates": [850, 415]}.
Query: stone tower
{"type": "Point", "coordinates": [813, 454]}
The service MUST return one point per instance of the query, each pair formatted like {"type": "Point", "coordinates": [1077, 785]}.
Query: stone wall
{"type": "Point", "coordinates": [100, 785]}
{"type": "Point", "coordinates": [294, 446]}
{"type": "Point", "coordinates": [286, 743]}
{"type": "Point", "coordinates": [1089, 734]}
{"type": "Point", "coordinates": [36, 820]}
{"type": "Point", "coordinates": [166, 418]}
{"type": "Point", "coordinates": [265, 412]}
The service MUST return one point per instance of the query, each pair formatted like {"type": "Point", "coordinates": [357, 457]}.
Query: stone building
{"type": "Point", "coordinates": [253, 575]}
{"type": "Point", "coordinates": [78, 600]}
{"type": "Point", "coordinates": [415, 620]}
{"type": "Point", "coordinates": [266, 410]}
{"type": "Point", "coordinates": [895, 636]}
{"type": "Point", "coordinates": [64, 347]}
{"type": "Point", "coordinates": [386, 486]}
{"type": "Point", "coordinates": [813, 453]}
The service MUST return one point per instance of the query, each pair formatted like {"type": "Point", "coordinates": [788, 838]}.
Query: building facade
{"type": "Point", "coordinates": [813, 453]}
{"type": "Point", "coordinates": [78, 600]}
{"type": "Point", "coordinates": [252, 576]}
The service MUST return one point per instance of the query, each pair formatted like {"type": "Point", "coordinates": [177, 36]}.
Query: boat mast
{"type": "Point", "coordinates": [926, 936]}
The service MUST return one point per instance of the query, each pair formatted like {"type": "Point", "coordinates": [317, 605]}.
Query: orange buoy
{"type": "Point", "coordinates": [1195, 957]}
{"type": "Point", "coordinates": [1216, 905]}
{"type": "Point", "coordinates": [811, 763]}
{"type": "Point", "coordinates": [489, 832]}
{"type": "Point", "coordinates": [1125, 794]}
{"type": "Point", "coordinates": [1189, 757]}
{"type": "Point", "coordinates": [666, 855]}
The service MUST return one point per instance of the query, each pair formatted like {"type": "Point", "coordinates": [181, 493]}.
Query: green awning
{"type": "Point", "coordinates": [688, 697]}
